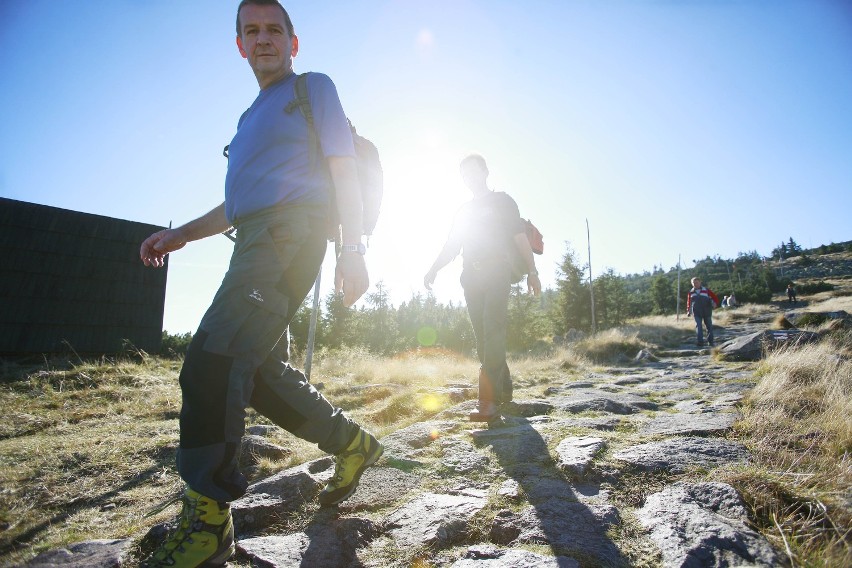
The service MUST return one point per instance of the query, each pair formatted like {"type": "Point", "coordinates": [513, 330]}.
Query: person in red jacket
{"type": "Point", "coordinates": [700, 303]}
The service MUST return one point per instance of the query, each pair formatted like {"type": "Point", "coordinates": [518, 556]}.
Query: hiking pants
{"type": "Point", "coordinates": [238, 355]}
{"type": "Point", "coordinates": [486, 291]}
{"type": "Point", "coordinates": [705, 318]}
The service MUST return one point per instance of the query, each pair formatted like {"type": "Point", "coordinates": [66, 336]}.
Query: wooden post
{"type": "Point", "coordinates": [591, 284]}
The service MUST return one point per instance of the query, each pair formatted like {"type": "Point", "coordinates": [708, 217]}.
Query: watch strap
{"type": "Point", "coordinates": [359, 248]}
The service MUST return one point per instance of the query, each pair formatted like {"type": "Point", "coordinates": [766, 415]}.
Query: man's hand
{"type": "Point", "coordinates": [429, 279]}
{"type": "Point", "coordinates": [533, 284]}
{"type": "Point", "coordinates": [350, 277]}
{"type": "Point", "coordinates": [155, 248]}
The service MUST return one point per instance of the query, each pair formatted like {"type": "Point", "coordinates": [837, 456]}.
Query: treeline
{"type": "Point", "coordinates": [383, 328]}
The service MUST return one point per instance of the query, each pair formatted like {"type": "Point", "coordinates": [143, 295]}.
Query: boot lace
{"type": "Point", "coordinates": [189, 522]}
{"type": "Point", "coordinates": [340, 462]}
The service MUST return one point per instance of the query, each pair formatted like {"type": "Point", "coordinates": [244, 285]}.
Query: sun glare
{"type": "Point", "coordinates": [423, 190]}
{"type": "Point", "coordinates": [425, 39]}
{"type": "Point", "coordinates": [430, 403]}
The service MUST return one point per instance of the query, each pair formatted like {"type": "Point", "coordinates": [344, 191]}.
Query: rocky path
{"type": "Point", "coordinates": [610, 469]}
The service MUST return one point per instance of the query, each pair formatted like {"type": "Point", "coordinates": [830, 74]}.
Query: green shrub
{"type": "Point", "coordinates": [811, 320]}
{"type": "Point", "coordinates": [806, 260]}
{"type": "Point", "coordinates": [814, 287]}
{"type": "Point", "coordinates": [175, 346]}
{"type": "Point", "coordinates": [754, 291]}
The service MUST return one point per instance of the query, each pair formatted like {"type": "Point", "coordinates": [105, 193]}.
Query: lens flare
{"type": "Point", "coordinates": [427, 336]}
{"type": "Point", "coordinates": [431, 403]}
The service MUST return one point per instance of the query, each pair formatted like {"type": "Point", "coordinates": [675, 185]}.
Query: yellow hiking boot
{"type": "Point", "coordinates": [204, 536]}
{"type": "Point", "coordinates": [362, 452]}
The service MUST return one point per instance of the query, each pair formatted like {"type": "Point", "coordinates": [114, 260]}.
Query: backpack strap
{"type": "Point", "coordinates": [303, 102]}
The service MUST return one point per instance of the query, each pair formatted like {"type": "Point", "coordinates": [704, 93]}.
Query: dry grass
{"type": "Point", "coordinates": [84, 450]}
{"type": "Point", "coordinates": [88, 449]}
{"type": "Point", "coordinates": [388, 393]}
{"type": "Point", "coordinates": [611, 346]}
{"type": "Point", "coordinates": [660, 331]}
{"type": "Point", "coordinates": [798, 423]}
{"type": "Point", "coordinates": [744, 313]}
{"type": "Point", "coordinates": [422, 367]}
{"type": "Point", "coordinates": [831, 304]}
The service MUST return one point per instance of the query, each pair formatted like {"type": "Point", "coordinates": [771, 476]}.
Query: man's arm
{"type": "Point", "coordinates": [351, 275]}
{"type": "Point", "coordinates": [450, 250]}
{"type": "Point", "coordinates": [533, 281]}
{"type": "Point", "coordinates": [714, 297]}
{"type": "Point", "coordinates": [155, 248]}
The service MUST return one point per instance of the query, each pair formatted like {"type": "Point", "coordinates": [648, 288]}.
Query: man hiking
{"type": "Point", "coordinates": [277, 198]}
{"type": "Point", "coordinates": [488, 230]}
{"type": "Point", "coordinates": [700, 303]}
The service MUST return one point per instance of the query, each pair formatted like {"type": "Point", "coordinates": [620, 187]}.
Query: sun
{"type": "Point", "coordinates": [423, 190]}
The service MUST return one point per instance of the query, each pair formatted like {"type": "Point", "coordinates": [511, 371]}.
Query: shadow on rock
{"type": "Point", "coordinates": [573, 523]}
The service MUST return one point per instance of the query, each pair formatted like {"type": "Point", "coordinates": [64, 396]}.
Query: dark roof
{"type": "Point", "coordinates": [74, 280]}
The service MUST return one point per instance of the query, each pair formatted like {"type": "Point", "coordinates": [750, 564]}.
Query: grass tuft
{"type": "Point", "coordinates": [797, 422]}
{"type": "Point", "coordinates": [611, 346]}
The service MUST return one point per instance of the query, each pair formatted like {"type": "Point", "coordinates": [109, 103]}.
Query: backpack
{"type": "Point", "coordinates": [534, 236]}
{"type": "Point", "coordinates": [536, 240]}
{"type": "Point", "coordinates": [370, 173]}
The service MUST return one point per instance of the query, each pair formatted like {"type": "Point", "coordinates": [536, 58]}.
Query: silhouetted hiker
{"type": "Point", "coordinates": [277, 198]}
{"type": "Point", "coordinates": [700, 303]}
{"type": "Point", "coordinates": [791, 294]}
{"type": "Point", "coordinates": [485, 230]}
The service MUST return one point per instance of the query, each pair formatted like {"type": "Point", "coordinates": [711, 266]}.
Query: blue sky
{"type": "Point", "coordinates": [686, 128]}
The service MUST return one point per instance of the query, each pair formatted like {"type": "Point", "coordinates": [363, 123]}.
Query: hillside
{"type": "Point", "coordinates": [603, 459]}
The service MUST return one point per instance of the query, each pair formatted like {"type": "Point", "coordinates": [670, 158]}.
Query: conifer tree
{"type": "Point", "coordinates": [663, 295]}
{"type": "Point", "coordinates": [573, 301]}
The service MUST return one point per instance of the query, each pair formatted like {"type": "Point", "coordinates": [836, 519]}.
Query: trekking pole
{"type": "Point", "coordinates": [677, 309]}
{"type": "Point", "coordinates": [312, 327]}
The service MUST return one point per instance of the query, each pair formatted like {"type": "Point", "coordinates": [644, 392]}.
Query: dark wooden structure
{"type": "Point", "coordinates": [73, 282]}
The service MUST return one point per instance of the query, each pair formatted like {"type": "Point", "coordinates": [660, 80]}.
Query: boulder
{"type": "Point", "coordinates": [753, 346]}
{"type": "Point", "coordinates": [256, 447]}
{"type": "Point", "coordinates": [678, 454]}
{"type": "Point", "coordinates": [330, 544]}
{"type": "Point", "coordinates": [690, 423]}
{"type": "Point", "coordinates": [704, 524]}
{"type": "Point", "coordinates": [89, 554]}
{"type": "Point", "coordinates": [434, 519]}
{"type": "Point", "coordinates": [576, 453]}
{"type": "Point", "coordinates": [484, 556]}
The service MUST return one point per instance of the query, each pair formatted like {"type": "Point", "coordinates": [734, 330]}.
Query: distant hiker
{"type": "Point", "coordinates": [732, 301]}
{"type": "Point", "coordinates": [488, 230]}
{"type": "Point", "coordinates": [725, 302]}
{"type": "Point", "coordinates": [277, 198]}
{"type": "Point", "coordinates": [700, 303]}
{"type": "Point", "coordinates": [791, 294]}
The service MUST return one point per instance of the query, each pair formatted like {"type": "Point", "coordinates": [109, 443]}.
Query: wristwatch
{"type": "Point", "coordinates": [532, 272]}
{"type": "Point", "coordinates": [359, 248]}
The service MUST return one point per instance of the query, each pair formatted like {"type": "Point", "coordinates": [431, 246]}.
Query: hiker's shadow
{"type": "Point", "coordinates": [333, 540]}
{"type": "Point", "coordinates": [571, 519]}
